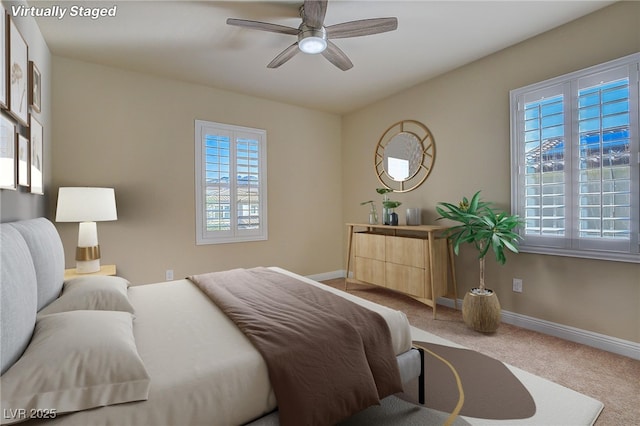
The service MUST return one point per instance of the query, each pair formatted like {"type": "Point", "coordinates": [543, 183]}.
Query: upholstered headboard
{"type": "Point", "coordinates": [31, 276]}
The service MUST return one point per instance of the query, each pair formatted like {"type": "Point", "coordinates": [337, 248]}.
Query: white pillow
{"type": "Point", "coordinates": [76, 360]}
{"type": "Point", "coordinates": [92, 293]}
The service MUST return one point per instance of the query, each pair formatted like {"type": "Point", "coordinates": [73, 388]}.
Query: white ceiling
{"type": "Point", "coordinates": [191, 41]}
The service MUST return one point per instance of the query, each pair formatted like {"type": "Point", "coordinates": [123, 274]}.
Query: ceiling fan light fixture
{"type": "Point", "coordinates": [312, 40]}
{"type": "Point", "coordinates": [312, 45]}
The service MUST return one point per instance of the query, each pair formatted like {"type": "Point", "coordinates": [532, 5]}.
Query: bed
{"type": "Point", "coordinates": [155, 354]}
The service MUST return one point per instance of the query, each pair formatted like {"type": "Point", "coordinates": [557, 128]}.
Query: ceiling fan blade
{"type": "Point", "coordinates": [262, 26]}
{"type": "Point", "coordinates": [337, 57]}
{"type": "Point", "coordinates": [362, 28]}
{"type": "Point", "coordinates": [283, 57]}
{"type": "Point", "coordinates": [314, 12]}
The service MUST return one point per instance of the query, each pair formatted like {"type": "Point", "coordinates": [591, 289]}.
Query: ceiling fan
{"type": "Point", "coordinates": [314, 37]}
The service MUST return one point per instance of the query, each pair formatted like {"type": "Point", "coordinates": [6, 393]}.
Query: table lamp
{"type": "Point", "coordinates": [86, 206]}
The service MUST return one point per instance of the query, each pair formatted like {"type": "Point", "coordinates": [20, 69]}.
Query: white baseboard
{"type": "Point", "coordinates": [572, 334]}
{"type": "Point", "coordinates": [589, 338]}
{"type": "Point", "coordinates": [327, 275]}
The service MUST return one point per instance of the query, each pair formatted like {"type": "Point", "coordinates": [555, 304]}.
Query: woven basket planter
{"type": "Point", "coordinates": [481, 311]}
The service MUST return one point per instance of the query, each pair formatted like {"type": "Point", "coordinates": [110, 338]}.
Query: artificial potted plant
{"type": "Point", "coordinates": [486, 229]}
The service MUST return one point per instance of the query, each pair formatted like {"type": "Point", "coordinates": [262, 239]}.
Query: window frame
{"type": "Point", "coordinates": [571, 244]}
{"type": "Point", "coordinates": [235, 234]}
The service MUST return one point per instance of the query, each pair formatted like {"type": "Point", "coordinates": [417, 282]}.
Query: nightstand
{"type": "Point", "coordinates": [104, 270]}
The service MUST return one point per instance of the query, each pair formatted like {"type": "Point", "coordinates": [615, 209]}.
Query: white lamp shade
{"type": "Point", "coordinates": [83, 204]}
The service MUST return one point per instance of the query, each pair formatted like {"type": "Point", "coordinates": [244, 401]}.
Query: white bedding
{"type": "Point", "coordinates": [203, 369]}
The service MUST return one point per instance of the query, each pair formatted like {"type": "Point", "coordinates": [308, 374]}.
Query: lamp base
{"type": "Point", "coordinates": [88, 253]}
{"type": "Point", "coordinates": [87, 259]}
{"type": "Point", "coordinates": [87, 266]}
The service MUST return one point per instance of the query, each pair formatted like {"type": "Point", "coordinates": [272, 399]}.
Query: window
{"type": "Point", "coordinates": [575, 162]}
{"type": "Point", "coordinates": [231, 184]}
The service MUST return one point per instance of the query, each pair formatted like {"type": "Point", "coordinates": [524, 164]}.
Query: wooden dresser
{"type": "Point", "coordinates": [409, 259]}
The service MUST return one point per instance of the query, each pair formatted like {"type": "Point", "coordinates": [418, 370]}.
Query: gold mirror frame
{"type": "Point", "coordinates": [419, 163]}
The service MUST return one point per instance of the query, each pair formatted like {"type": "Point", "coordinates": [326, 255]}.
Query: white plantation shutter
{"type": "Point", "coordinates": [605, 170]}
{"type": "Point", "coordinates": [542, 177]}
{"type": "Point", "coordinates": [231, 191]}
{"type": "Point", "coordinates": [575, 162]}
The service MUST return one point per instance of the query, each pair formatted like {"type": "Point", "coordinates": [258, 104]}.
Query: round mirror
{"type": "Point", "coordinates": [404, 156]}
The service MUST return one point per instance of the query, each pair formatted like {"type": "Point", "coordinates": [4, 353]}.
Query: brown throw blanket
{"type": "Point", "coordinates": [328, 357]}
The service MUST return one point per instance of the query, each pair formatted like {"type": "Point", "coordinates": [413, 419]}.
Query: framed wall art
{"type": "Point", "coordinates": [35, 89]}
{"type": "Point", "coordinates": [23, 160]}
{"type": "Point", "coordinates": [3, 57]}
{"type": "Point", "coordinates": [18, 75]}
{"type": "Point", "coordinates": [7, 153]}
{"type": "Point", "coordinates": [37, 160]}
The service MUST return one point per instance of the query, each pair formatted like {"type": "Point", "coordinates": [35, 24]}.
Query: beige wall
{"type": "Point", "coordinates": [135, 132]}
{"type": "Point", "coordinates": [467, 111]}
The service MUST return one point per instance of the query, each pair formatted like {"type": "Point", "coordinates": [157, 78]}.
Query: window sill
{"type": "Point", "coordinates": [584, 254]}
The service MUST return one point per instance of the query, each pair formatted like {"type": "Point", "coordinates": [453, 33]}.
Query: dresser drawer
{"type": "Point", "coordinates": [369, 245]}
{"type": "Point", "coordinates": [369, 270]}
{"type": "Point", "coordinates": [406, 279]}
{"type": "Point", "coordinates": [406, 251]}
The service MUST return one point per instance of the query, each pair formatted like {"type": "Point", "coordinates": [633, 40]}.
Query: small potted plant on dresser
{"type": "Point", "coordinates": [389, 216]}
{"type": "Point", "coordinates": [486, 229]}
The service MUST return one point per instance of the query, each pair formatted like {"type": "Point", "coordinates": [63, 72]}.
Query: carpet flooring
{"type": "Point", "coordinates": [610, 378]}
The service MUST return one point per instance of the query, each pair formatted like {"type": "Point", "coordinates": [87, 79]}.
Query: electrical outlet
{"type": "Point", "coordinates": [517, 285]}
{"type": "Point", "coordinates": [168, 275]}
